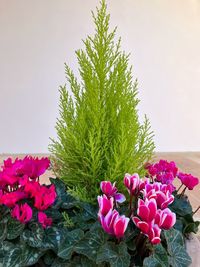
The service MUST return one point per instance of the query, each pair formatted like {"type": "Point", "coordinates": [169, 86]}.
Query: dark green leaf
{"type": "Point", "coordinates": [179, 256]}
{"type": "Point", "coordinates": [181, 206]}
{"type": "Point", "coordinates": [3, 229]}
{"type": "Point", "coordinates": [30, 255]}
{"type": "Point", "coordinates": [68, 245]}
{"type": "Point", "coordinates": [91, 243]}
{"type": "Point", "coordinates": [174, 236]}
{"type": "Point", "coordinates": [14, 228]}
{"type": "Point", "coordinates": [161, 255]}
{"type": "Point", "coordinates": [34, 238]}
{"type": "Point", "coordinates": [115, 255]}
{"type": "Point", "coordinates": [152, 261]}
{"type": "Point", "coordinates": [53, 237]}
{"type": "Point", "coordinates": [191, 227]}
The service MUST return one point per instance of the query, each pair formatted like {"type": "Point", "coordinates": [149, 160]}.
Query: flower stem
{"type": "Point", "coordinates": [130, 203]}
{"type": "Point", "coordinates": [196, 210]}
{"type": "Point", "coordinates": [179, 187]}
{"type": "Point", "coordinates": [183, 192]}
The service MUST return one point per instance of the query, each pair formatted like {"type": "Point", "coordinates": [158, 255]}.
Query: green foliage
{"type": "Point", "coordinates": [99, 133]}
{"type": "Point", "coordinates": [184, 216]}
{"type": "Point", "coordinates": [83, 242]}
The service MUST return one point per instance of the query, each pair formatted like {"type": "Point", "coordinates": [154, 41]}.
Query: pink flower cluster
{"type": "Point", "coordinates": [152, 212]}
{"type": "Point", "coordinates": [19, 183]}
{"type": "Point", "coordinates": [165, 172]}
{"type": "Point", "coordinates": [111, 221]}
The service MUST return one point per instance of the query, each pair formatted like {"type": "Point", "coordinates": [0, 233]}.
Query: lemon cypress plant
{"type": "Point", "coordinates": [99, 133]}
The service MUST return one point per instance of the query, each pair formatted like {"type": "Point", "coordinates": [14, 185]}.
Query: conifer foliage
{"type": "Point", "coordinates": [99, 133]}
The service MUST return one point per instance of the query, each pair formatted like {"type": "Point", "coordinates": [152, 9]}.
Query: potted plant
{"type": "Point", "coordinates": [96, 214]}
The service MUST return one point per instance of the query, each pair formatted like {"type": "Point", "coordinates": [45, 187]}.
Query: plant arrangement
{"type": "Point", "coordinates": [92, 216]}
{"type": "Point", "coordinates": [43, 225]}
{"type": "Point", "coordinates": [99, 133]}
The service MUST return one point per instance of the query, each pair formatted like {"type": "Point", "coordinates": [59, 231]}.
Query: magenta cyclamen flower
{"type": "Point", "coordinates": [162, 194]}
{"type": "Point", "coordinates": [45, 197]}
{"type": "Point", "coordinates": [44, 220]}
{"type": "Point", "coordinates": [22, 213]}
{"type": "Point", "coordinates": [164, 171]}
{"type": "Point", "coordinates": [146, 222]}
{"type": "Point", "coordinates": [114, 224]}
{"type": "Point", "coordinates": [132, 183]}
{"type": "Point", "coordinates": [146, 211]}
{"type": "Point", "coordinates": [165, 219]}
{"type": "Point", "coordinates": [188, 180]}
{"type": "Point", "coordinates": [105, 204]}
{"type": "Point", "coordinates": [110, 190]}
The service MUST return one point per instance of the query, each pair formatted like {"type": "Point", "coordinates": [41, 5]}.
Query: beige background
{"type": "Point", "coordinates": [38, 36]}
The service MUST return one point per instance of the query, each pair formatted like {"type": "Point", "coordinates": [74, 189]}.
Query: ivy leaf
{"type": "Point", "coordinates": [14, 228]}
{"type": "Point", "coordinates": [115, 255]}
{"type": "Point", "coordinates": [91, 243]}
{"type": "Point", "coordinates": [68, 245]}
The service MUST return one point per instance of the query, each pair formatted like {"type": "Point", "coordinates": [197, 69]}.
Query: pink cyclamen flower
{"type": "Point", "coordinates": [146, 212]}
{"type": "Point", "coordinates": [154, 234]}
{"type": "Point", "coordinates": [45, 197]}
{"type": "Point", "coordinates": [161, 192]}
{"type": "Point", "coordinates": [105, 204]}
{"type": "Point", "coordinates": [110, 190]}
{"type": "Point", "coordinates": [22, 213]}
{"type": "Point", "coordinates": [165, 219]}
{"type": "Point", "coordinates": [11, 198]}
{"type": "Point", "coordinates": [33, 167]}
{"type": "Point", "coordinates": [132, 182]}
{"type": "Point", "coordinates": [44, 220]}
{"type": "Point", "coordinates": [163, 171]}
{"type": "Point", "coordinates": [188, 180]}
{"type": "Point", "coordinates": [114, 224]}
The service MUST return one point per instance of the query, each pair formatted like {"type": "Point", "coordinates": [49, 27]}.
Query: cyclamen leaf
{"type": "Point", "coordinates": [53, 237]}
{"type": "Point", "coordinates": [152, 261]}
{"type": "Point", "coordinates": [13, 255]}
{"type": "Point", "coordinates": [91, 243]}
{"type": "Point", "coordinates": [33, 238]}
{"type": "Point", "coordinates": [115, 255]}
{"type": "Point", "coordinates": [68, 245]}
{"type": "Point", "coordinates": [14, 228]}
{"type": "Point", "coordinates": [161, 255]}
{"type": "Point", "coordinates": [174, 236]}
{"type": "Point", "coordinates": [176, 249]}
{"type": "Point", "coordinates": [3, 230]}
{"type": "Point", "coordinates": [31, 255]}
{"type": "Point", "coordinates": [179, 256]}
{"type": "Point", "coordinates": [181, 206]}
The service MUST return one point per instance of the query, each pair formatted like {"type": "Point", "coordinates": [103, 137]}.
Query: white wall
{"type": "Point", "coordinates": [38, 36]}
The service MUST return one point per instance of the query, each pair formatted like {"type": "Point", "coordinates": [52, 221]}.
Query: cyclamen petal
{"type": "Point", "coordinates": [44, 220]}
{"type": "Point", "coordinates": [120, 225]}
{"type": "Point", "coordinates": [105, 204]}
{"type": "Point", "coordinates": [188, 180]}
{"type": "Point", "coordinates": [22, 213]}
{"type": "Point", "coordinates": [120, 198]}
